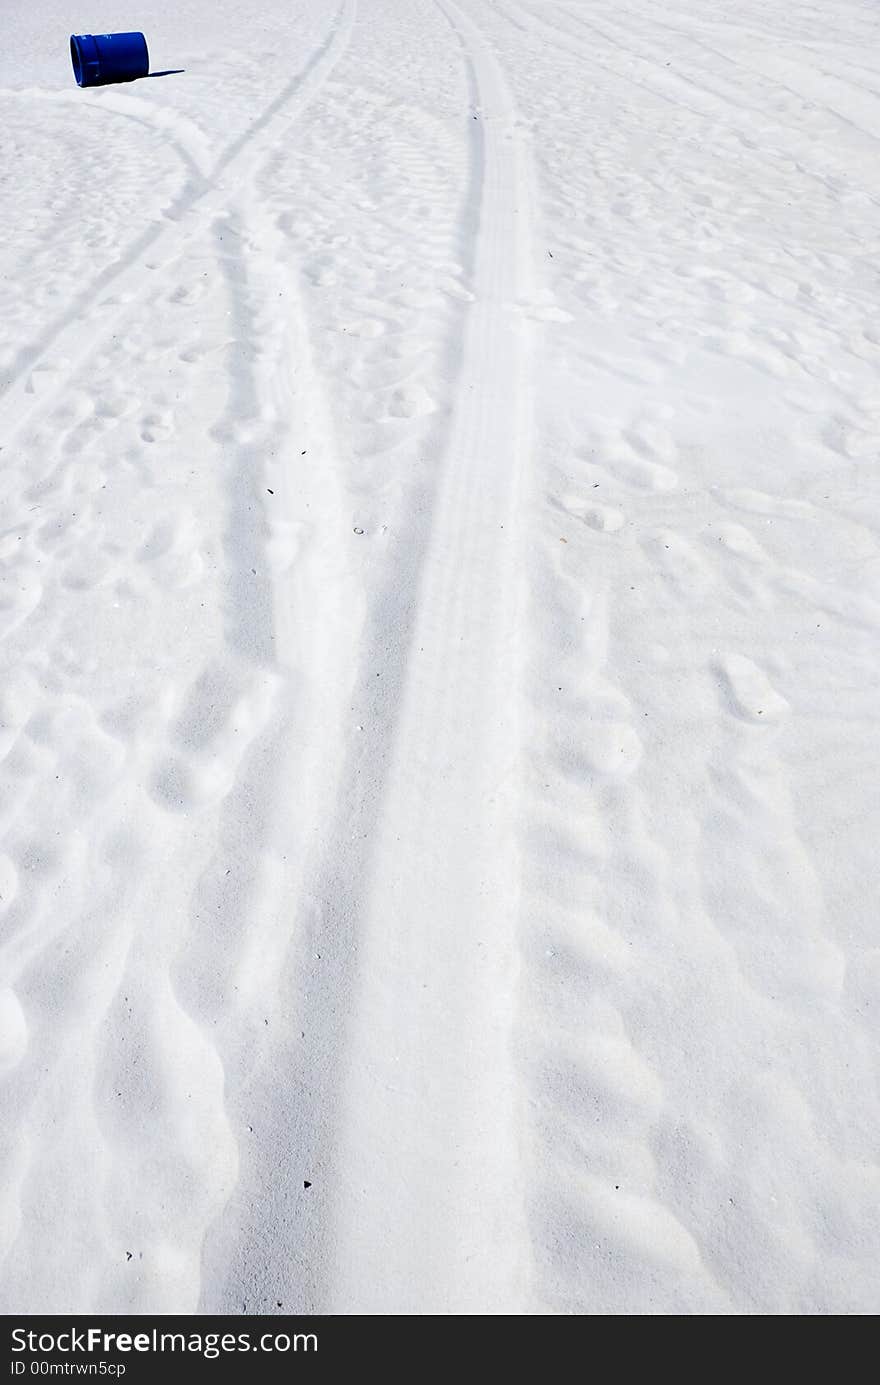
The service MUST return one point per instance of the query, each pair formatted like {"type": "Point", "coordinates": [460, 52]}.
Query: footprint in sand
{"type": "Point", "coordinates": [543, 308]}
{"type": "Point", "coordinates": [157, 427]}
{"type": "Point", "coordinates": [680, 560]}
{"type": "Point", "coordinates": [642, 455]}
{"type": "Point", "coordinates": [77, 407]}
{"type": "Point", "coordinates": [173, 553]}
{"type": "Point", "coordinates": [738, 540]}
{"type": "Point", "coordinates": [366, 327]}
{"type": "Point", "coordinates": [85, 571]}
{"type": "Point", "coordinates": [40, 377]}
{"type": "Point", "coordinates": [610, 749]}
{"type": "Point", "coordinates": [191, 355]}
{"type": "Point", "coordinates": [87, 760]}
{"type": "Point", "coordinates": [320, 275]}
{"type": "Point", "coordinates": [224, 712]}
{"type": "Point", "coordinates": [411, 401]}
{"type": "Point", "coordinates": [653, 442]}
{"type": "Point", "coordinates": [181, 785]}
{"type": "Point", "coordinates": [638, 472]}
{"type": "Point", "coordinates": [749, 692]}
{"type": "Point", "coordinates": [846, 438]}
{"type": "Point", "coordinates": [605, 519]}
{"type": "Point", "coordinates": [113, 406]}
{"type": "Point", "coordinates": [187, 295]}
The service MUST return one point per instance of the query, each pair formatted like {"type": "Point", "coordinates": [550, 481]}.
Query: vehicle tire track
{"type": "Point", "coordinates": [437, 957]}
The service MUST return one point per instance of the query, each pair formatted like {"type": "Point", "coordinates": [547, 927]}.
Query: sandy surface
{"type": "Point", "coordinates": [439, 600]}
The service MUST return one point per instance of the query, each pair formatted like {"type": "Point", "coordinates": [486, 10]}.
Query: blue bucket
{"type": "Point", "coordinates": [101, 58]}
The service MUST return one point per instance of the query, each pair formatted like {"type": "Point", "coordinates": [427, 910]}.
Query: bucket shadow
{"type": "Point", "coordinates": [168, 72]}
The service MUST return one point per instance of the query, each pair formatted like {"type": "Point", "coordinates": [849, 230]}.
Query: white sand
{"type": "Point", "coordinates": [439, 701]}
